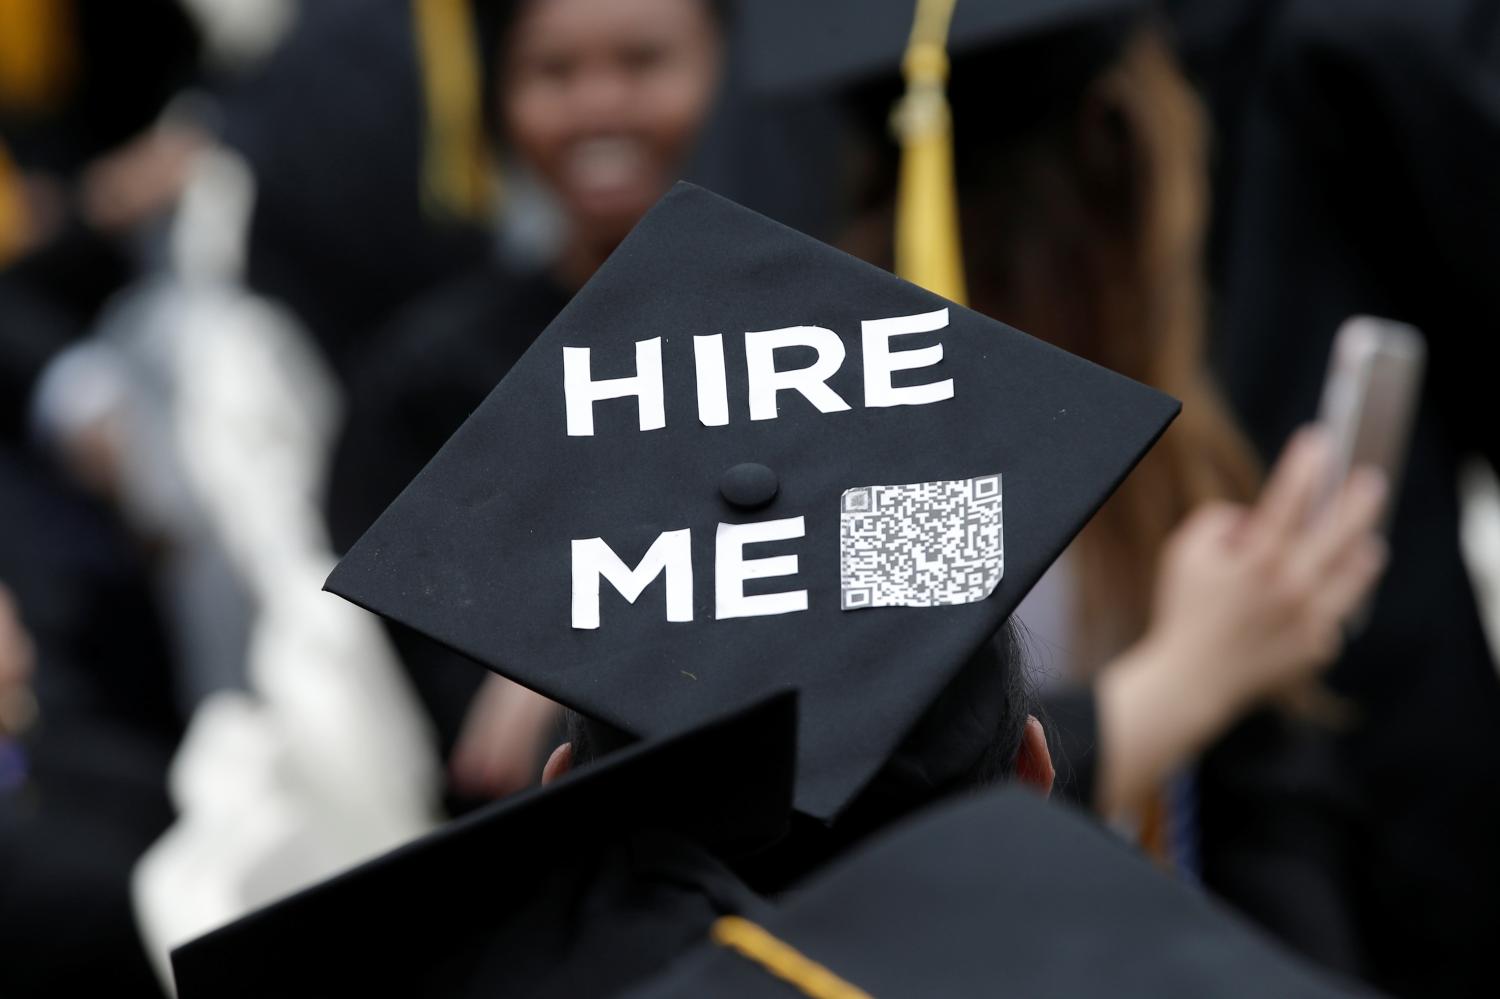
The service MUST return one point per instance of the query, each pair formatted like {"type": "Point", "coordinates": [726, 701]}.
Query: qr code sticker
{"type": "Point", "coordinates": [928, 544]}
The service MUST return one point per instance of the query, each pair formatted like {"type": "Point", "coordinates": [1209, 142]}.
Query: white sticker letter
{"type": "Point", "coordinates": [713, 396]}
{"type": "Point", "coordinates": [731, 569]}
{"type": "Point", "coordinates": [582, 391]}
{"type": "Point", "coordinates": [671, 552]}
{"type": "Point", "coordinates": [881, 362]}
{"type": "Point", "coordinates": [765, 381]}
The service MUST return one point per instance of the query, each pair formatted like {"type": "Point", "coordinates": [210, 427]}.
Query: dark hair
{"type": "Point", "coordinates": [968, 738]}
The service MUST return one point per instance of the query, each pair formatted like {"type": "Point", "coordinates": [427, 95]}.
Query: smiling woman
{"type": "Point", "coordinates": [604, 99]}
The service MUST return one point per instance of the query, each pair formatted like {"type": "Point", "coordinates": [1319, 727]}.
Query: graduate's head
{"type": "Point", "coordinates": [605, 98]}
{"type": "Point", "coordinates": [979, 731]}
{"type": "Point", "coordinates": [741, 461]}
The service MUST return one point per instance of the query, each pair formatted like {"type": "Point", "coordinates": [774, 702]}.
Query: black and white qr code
{"type": "Point", "coordinates": [927, 544]}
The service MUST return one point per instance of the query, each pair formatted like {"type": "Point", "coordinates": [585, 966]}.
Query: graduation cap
{"type": "Point", "coordinates": [740, 460]}
{"type": "Point", "coordinates": [616, 861]}
{"type": "Point", "coordinates": [843, 45]}
{"type": "Point", "coordinates": [997, 894]}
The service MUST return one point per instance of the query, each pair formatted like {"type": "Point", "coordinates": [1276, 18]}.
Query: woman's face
{"type": "Point", "coordinates": [604, 99]}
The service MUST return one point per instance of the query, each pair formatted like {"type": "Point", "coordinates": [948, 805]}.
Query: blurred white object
{"type": "Point", "coordinates": [327, 760]}
{"type": "Point", "coordinates": [239, 33]}
{"type": "Point", "coordinates": [1479, 541]}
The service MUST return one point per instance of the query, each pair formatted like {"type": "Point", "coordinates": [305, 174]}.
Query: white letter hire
{"type": "Point", "coordinates": [731, 569]}
{"type": "Point", "coordinates": [881, 362]}
{"type": "Point", "coordinates": [581, 391]}
{"type": "Point", "coordinates": [764, 380]}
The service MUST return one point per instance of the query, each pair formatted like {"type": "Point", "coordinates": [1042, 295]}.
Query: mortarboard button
{"type": "Point", "coordinates": [749, 485]}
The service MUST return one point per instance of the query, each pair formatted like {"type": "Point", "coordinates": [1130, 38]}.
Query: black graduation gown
{"type": "Point", "coordinates": [332, 126]}
{"type": "Point", "coordinates": [1367, 184]}
{"type": "Point", "coordinates": [423, 378]}
{"type": "Point", "coordinates": [97, 761]}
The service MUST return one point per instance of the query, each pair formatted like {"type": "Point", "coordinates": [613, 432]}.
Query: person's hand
{"type": "Point", "coordinates": [499, 750]}
{"type": "Point", "coordinates": [140, 180]}
{"type": "Point", "coordinates": [16, 662]}
{"type": "Point", "coordinates": [1249, 603]}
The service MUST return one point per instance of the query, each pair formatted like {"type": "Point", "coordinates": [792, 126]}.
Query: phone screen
{"type": "Point", "coordinates": [1370, 396]}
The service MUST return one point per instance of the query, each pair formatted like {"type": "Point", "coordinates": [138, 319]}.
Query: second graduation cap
{"type": "Point", "coordinates": [741, 460]}
{"type": "Point", "coordinates": [1001, 894]}
{"type": "Point", "coordinates": [578, 888]}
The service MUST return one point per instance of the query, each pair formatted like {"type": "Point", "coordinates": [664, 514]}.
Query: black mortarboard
{"type": "Point", "coordinates": [998, 894]}
{"type": "Point", "coordinates": [843, 536]}
{"type": "Point", "coordinates": [801, 46]}
{"type": "Point", "coordinates": [615, 862]}
{"type": "Point", "coordinates": [1023, 57]}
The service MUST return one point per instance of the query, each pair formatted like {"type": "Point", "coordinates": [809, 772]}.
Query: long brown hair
{"type": "Point", "coordinates": [1085, 228]}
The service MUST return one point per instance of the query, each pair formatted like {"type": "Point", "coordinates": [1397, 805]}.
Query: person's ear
{"type": "Point", "coordinates": [561, 761]}
{"type": "Point", "coordinates": [1033, 762]}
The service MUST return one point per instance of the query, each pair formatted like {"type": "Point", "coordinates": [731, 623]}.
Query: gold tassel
{"type": "Point", "coordinates": [780, 959]}
{"type": "Point", "coordinates": [37, 57]}
{"type": "Point", "coordinates": [929, 251]}
{"type": "Point", "coordinates": [457, 179]}
{"type": "Point", "coordinates": [13, 223]}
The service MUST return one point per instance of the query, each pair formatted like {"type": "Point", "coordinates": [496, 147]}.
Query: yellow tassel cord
{"type": "Point", "coordinates": [37, 56]}
{"type": "Point", "coordinates": [929, 252]}
{"type": "Point", "coordinates": [754, 943]}
{"type": "Point", "coordinates": [457, 179]}
{"type": "Point", "coordinates": [12, 210]}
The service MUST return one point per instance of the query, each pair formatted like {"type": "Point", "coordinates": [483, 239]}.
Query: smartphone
{"type": "Point", "coordinates": [1370, 397]}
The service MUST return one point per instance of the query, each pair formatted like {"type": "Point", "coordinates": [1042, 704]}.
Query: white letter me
{"type": "Point", "coordinates": [881, 362]}
{"type": "Point", "coordinates": [765, 381]}
{"type": "Point", "coordinates": [671, 552]}
{"type": "Point", "coordinates": [731, 569]}
{"type": "Point", "coordinates": [582, 391]}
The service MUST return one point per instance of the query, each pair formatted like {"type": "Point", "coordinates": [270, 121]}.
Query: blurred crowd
{"type": "Point", "coordinates": [259, 259]}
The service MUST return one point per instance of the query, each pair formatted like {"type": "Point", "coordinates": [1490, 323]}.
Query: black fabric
{"type": "Point", "coordinates": [85, 597]}
{"type": "Point", "coordinates": [32, 331]}
{"type": "Point", "coordinates": [1369, 153]}
{"type": "Point", "coordinates": [332, 126]}
{"type": "Point", "coordinates": [476, 551]}
{"type": "Point", "coordinates": [69, 839]}
{"type": "Point", "coordinates": [1005, 894]}
{"type": "Point", "coordinates": [1276, 822]}
{"type": "Point", "coordinates": [420, 381]}
{"type": "Point", "coordinates": [578, 888]}
{"type": "Point", "coordinates": [1279, 820]}
{"type": "Point", "coordinates": [130, 60]}
{"type": "Point", "coordinates": [802, 47]}
{"type": "Point", "coordinates": [47, 301]}
{"type": "Point", "coordinates": [96, 760]}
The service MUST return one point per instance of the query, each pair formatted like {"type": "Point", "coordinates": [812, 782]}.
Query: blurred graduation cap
{"type": "Point", "coordinates": [739, 461]}
{"type": "Point", "coordinates": [615, 861]}
{"type": "Point", "coordinates": [842, 43]}
{"type": "Point", "coordinates": [997, 894]}
{"type": "Point", "coordinates": [845, 45]}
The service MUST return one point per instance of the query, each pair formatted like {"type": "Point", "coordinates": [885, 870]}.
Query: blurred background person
{"type": "Point", "coordinates": [88, 736]}
{"type": "Point", "coordinates": [1081, 173]}
{"type": "Point", "coordinates": [596, 107]}
{"type": "Point", "coordinates": [1364, 141]}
